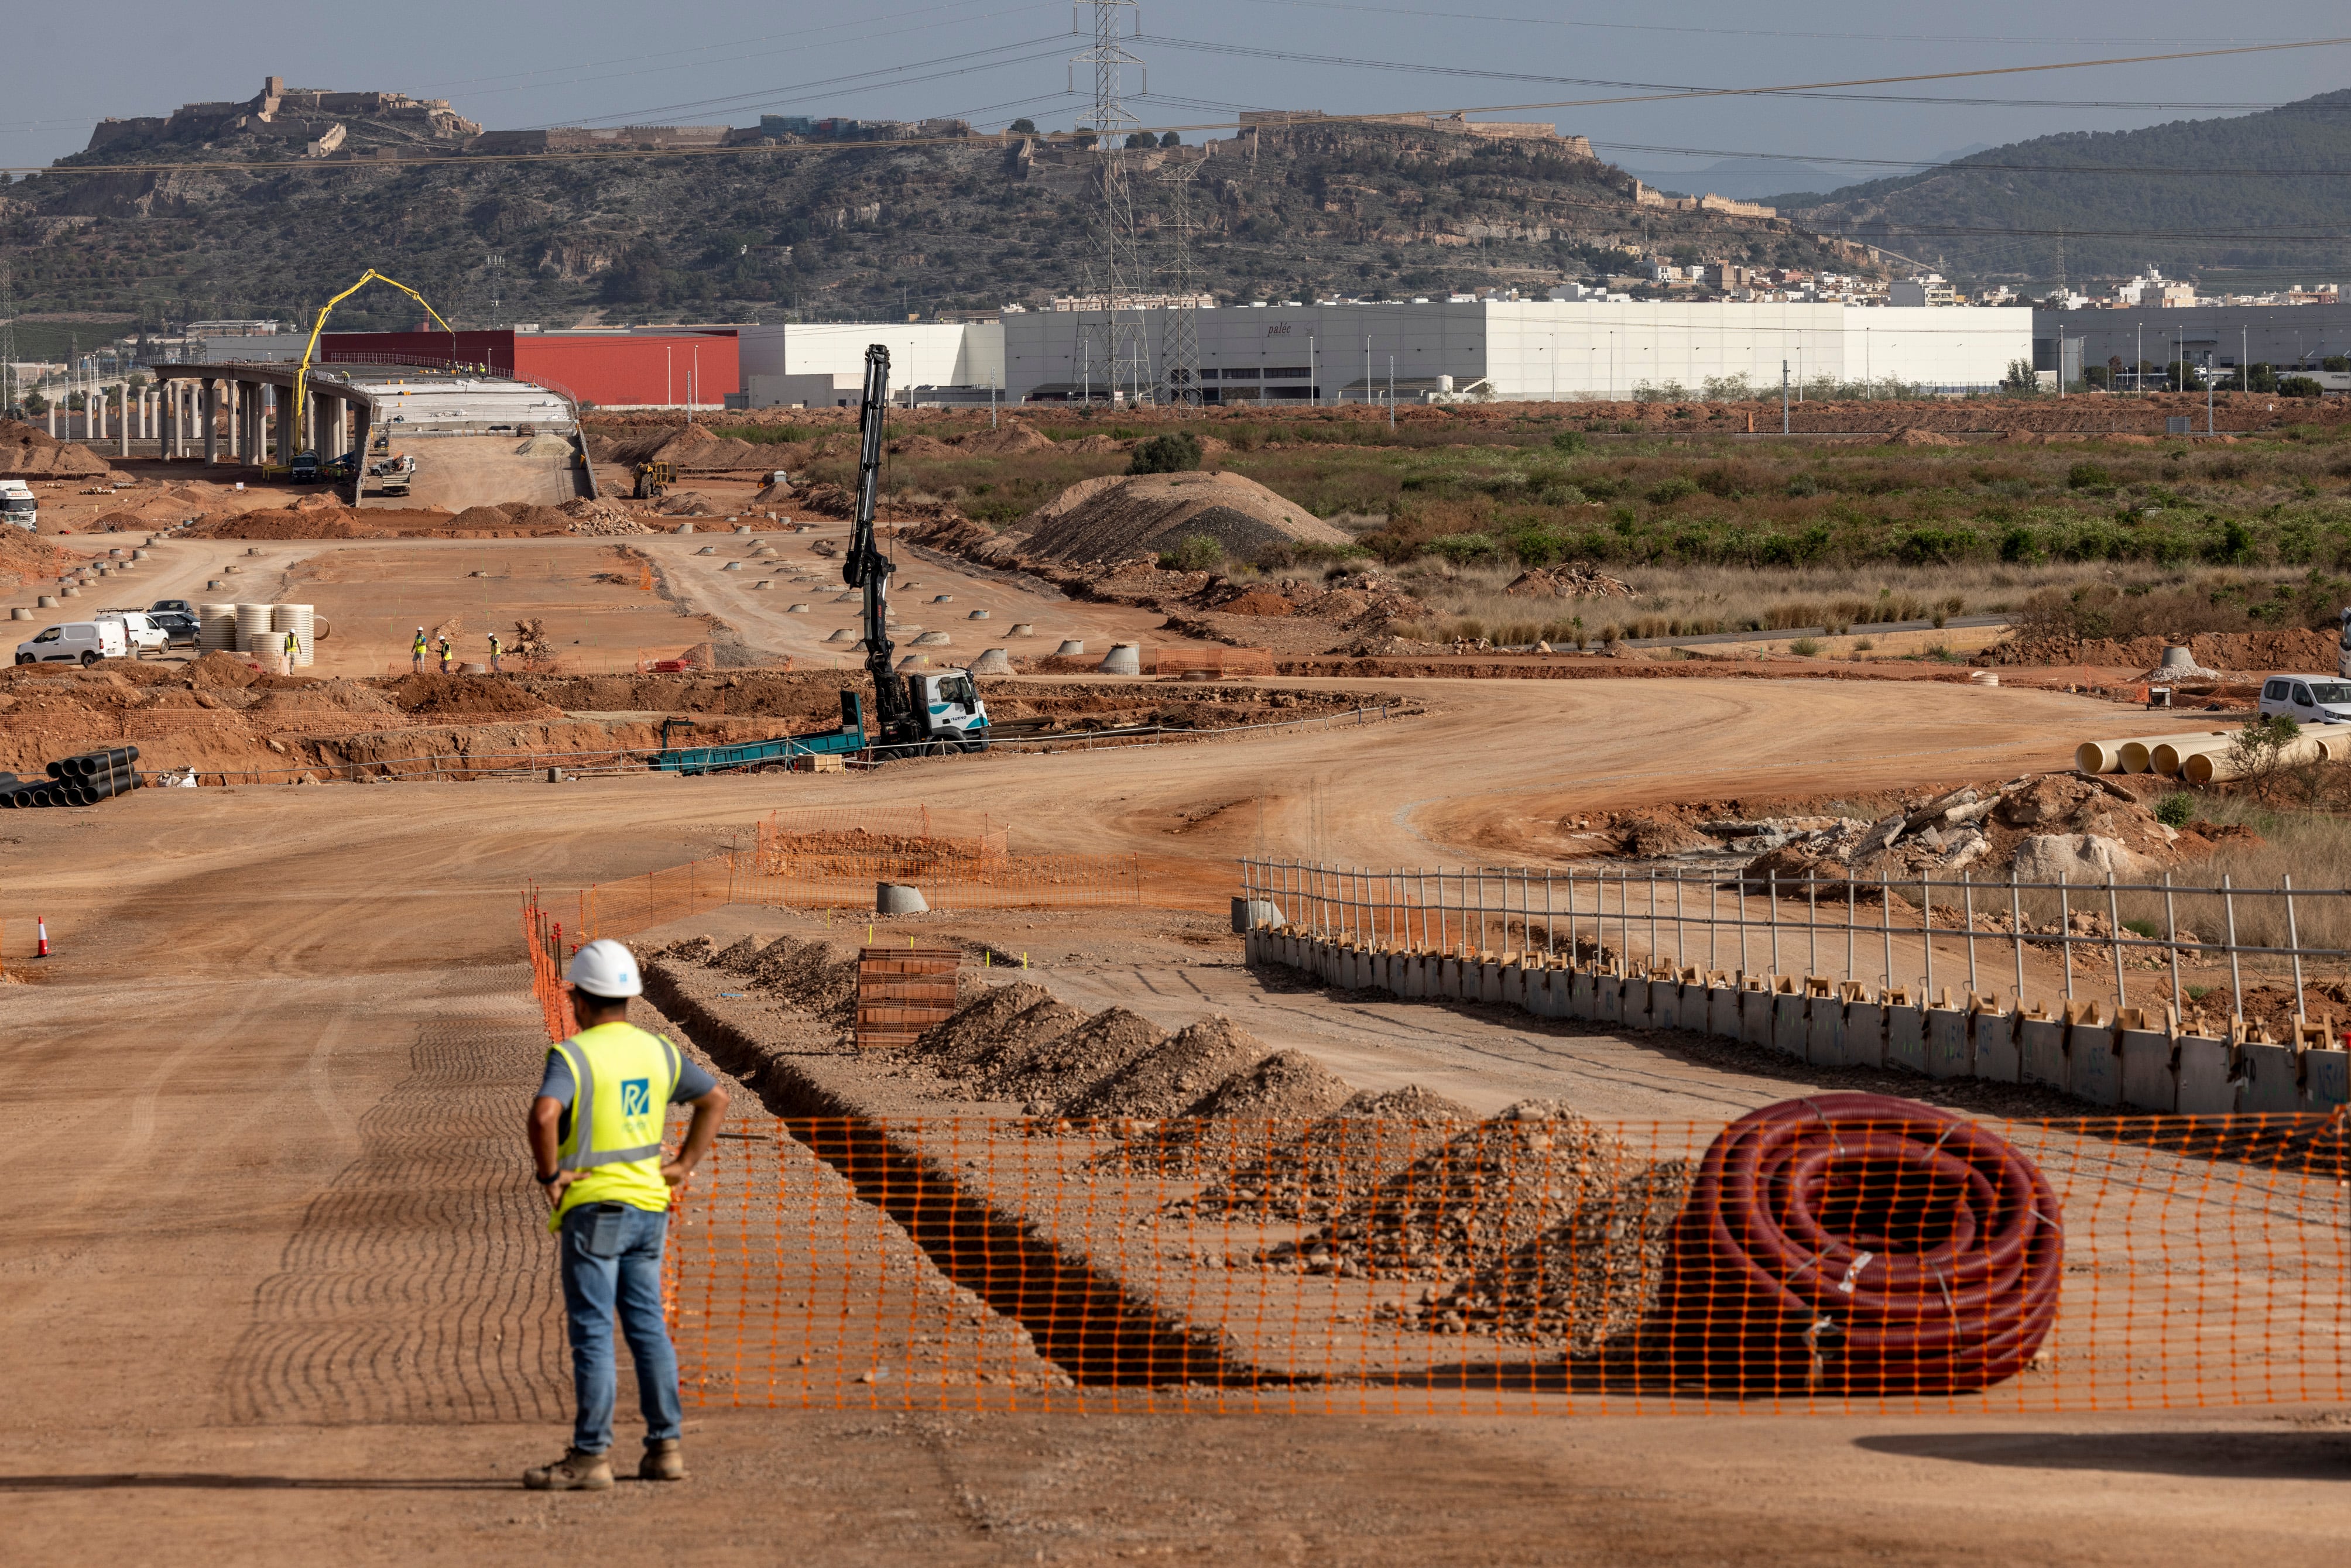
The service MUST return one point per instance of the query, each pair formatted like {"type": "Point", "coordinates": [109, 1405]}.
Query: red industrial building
{"type": "Point", "coordinates": [664, 367]}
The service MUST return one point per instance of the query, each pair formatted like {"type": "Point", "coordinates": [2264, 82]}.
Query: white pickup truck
{"type": "Point", "coordinates": [17, 506]}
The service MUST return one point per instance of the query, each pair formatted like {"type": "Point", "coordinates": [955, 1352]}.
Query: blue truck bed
{"type": "Point", "coordinates": [851, 737]}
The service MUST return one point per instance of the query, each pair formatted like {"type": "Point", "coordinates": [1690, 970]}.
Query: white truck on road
{"type": "Point", "coordinates": [17, 506]}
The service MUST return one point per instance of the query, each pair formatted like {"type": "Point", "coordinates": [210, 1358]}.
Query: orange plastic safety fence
{"type": "Point", "coordinates": [1819, 1257]}
{"type": "Point", "coordinates": [640, 902]}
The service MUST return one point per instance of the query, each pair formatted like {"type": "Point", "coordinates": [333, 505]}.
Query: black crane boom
{"type": "Point", "coordinates": [867, 567]}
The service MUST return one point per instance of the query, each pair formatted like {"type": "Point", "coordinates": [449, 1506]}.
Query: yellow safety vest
{"type": "Point", "coordinates": [419, 649]}
{"type": "Point", "coordinates": [622, 1079]}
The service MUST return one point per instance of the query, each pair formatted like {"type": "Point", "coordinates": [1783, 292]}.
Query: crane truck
{"type": "Point", "coordinates": [916, 712]}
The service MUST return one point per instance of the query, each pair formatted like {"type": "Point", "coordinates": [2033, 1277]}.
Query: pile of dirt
{"type": "Point", "coordinates": [601, 517]}
{"type": "Point", "coordinates": [1258, 601]}
{"type": "Point", "coordinates": [1011, 437]}
{"type": "Point", "coordinates": [809, 975]}
{"type": "Point", "coordinates": [1916, 436]}
{"type": "Point", "coordinates": [687, 504]}
{"type": "Point", "coordinates": [1194, 1061]}
{"type": "Point", "coordinates": [691, 448]}
{"type": "Point", "coordinates": [1336, 1160]}
{"type": "Point", "coordinates": [484, 517]}
{"type": "Point", "coordinates": [28, 452]}
{"type": "Point", "coordinates": [1588, 1282]}
{"type": "Point", "coordinates": [25, 557]}
{"type": "Point", "coordinates": [1649, 836]}
{"type": "Point", "coordinates": [466, 698]}
{"type": "Point", "coordinates": [1118, 517]}
{"type": "Point", "coordinates": [1574, 581]}
{"type": "Point", "coordinates": [1471, 1203]}
{"type": "Point", "coordinates": [1069, 1065]}
{"type": "Point", "coordinates": [279, 523]}
{"type": "Point", "coordinates": [971, 1034]}
{"type": "Point", "coordinates": [220, 671]}
{"type": "Point", "coordinates": [2293, 648]}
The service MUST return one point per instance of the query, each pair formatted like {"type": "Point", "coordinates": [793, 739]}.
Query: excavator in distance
{"type": "Point", "coordinates": [916, 712]}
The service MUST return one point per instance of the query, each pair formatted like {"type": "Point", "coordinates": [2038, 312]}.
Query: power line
{"type": "Point", "coordinates": [1963, 165]}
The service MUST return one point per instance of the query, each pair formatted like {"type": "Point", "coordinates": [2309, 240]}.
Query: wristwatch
{"type": "Point", "coordinates": [548, 1180]}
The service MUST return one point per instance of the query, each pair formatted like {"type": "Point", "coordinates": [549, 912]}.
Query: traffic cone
{"type": "Point", "coordinates": [41, 926]}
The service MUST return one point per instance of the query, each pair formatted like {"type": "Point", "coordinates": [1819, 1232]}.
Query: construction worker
{"type": "Point", "coordinates": [293, 650]}
{"type": "Point", "coordinates": [416, 651]}
{"type": "Point", "coordinates": [595, 1131]}
{"type": "Point", "coordinates": [444, 656]}
{"type": "Point", "coordinates": [494, 652]}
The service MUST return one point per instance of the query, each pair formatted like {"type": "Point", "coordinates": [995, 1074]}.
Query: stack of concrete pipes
{"type": "Point", "coordinates": [2202, 757]}
{"type": "Point", "coordinates": [2130, 1061]}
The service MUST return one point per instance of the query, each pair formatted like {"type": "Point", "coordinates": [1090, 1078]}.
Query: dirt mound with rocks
{"type": "Point", "coordinates": [1470, 1203]}
{"type": "Point", "coordinates": [1074, 1062]}
{"type": "Point", "coordinates": [1585, 1283]}
{"type": "Point", "coordinates": [1575, 581]}
{"type": "Point", "coordinates": [1336, 1160]}
{"type": "Point", "coordinates": [1166, 1081]}
{"type": "Point", "coordinates": [1117, 518]}
{"type": "Point", "coordinates": [222, 671]}
{"type": "Point", "coordinates": [1651, 834]}
{"type": "Point", "coordinates": [692, 448]}
{"type": "Point", "coordinates": [25, 557]}
{"type": "Point", "coordinates": [1003, 1021]}
{"type": "Point", "coordinates": [465, 697]}
{"type": "Point", "coordinates": [1012, 437]}
{"type": "Point", "coordinates": [28, 452]}
{"type": "Point", "coordinates": [1916, 436]}
{"type": "Point", "coordinates": [281, 523]}
{"type": "Point", "coordinates": [2293, 648]}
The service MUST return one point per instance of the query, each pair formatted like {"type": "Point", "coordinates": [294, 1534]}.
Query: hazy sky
{"type": "Point", "coordinates": [526, 63]}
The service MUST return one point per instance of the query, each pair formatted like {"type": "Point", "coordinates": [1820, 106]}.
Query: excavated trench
{"type": "Point", "coordinates": [1080, 1317]}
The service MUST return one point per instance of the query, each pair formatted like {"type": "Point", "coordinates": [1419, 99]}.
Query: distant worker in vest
{"type": "Point", "coordinates": [596, 1139]}
{"type": "Point", "coordinates": [444, 656]}
{"type": "Point", "coordinates": [416, 651]}
{"type": "Point", "coordinates": [494, 652]}
{"type": "Point", "coordinates": [293, 650]}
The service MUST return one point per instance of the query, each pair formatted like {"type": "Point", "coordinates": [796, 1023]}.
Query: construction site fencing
{"type": "Point", "coordinates": [1849, 974]}
{"type": "Point", "coordinates": [1836, 1253]}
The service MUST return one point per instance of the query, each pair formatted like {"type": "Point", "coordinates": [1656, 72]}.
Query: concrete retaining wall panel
{"type": "Point", "coordinates": [1489, 981]}
{"type": "Point", "coordinates": [1950, 1049]}
{"type": "Point", "coordinates": [1998, 1055]}
{"type": "Point", "coordinates": [2041, 1052]}
{"type": "Point", "coordinates": [2093, 1067]}
{"type": "Point", "coordinates": [1583, 995]}
{"type": "Point", "coordinates": [2150, 1079]}
{"type": "Point", "coordinates": [1722, 1012]}
{"type": "Point", "coordinates": [2273, 1078]}
{"type": "Point", "coordinates": [1865, 1035]}
{"type": "Point", "coordinates": [1665, 1004]}
{"type": "Point", "coordinates": [2206, 1077]}
{"type": "Point", "coordinates": [1638, 1006]}
{"type": "Point", "coordinates": [1790, 1026]}
{"type": "Point", "coordinates": [1414, 980]}
{"type": "Point", "coordinates": [1824, 1032]}
{"type": "Point", "coordinates": [2325, 1078]}
{"type": "Point", "coordinates": [1755, 1018]}
{"type": "Point", "coordinates": [1905, 1039]}
{"type": "Point", "coordinates": [1608, 999]}
{"type": "Point", "coordinates": [1514, 986]}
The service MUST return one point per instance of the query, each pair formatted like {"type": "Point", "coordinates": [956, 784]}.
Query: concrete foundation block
{"type": "Point", "coordinates": [2273, 1078]}
{"type": "Point", "coordinates": [1791, 1025]}
{"type": "Point", "coordinates": [1583, 995]}
{"type": "Point", "coordinates": [1487, 987]}
{"type": "Point", "coordinates": [1949, 1053]}
{"type": "Point", "coordinates": [1608, 997]}
{"type": "Point", "coordinates": [2041, 1052]}
{"type": "Point", "coordinates": [2150, 1077]}
{"type": "Point", "coordinates": [1665, 1004]}
{"type": "Point", "coordinates": [1824, 1031]}
{"type": "Point", "coordinates": [2325, 1078]}
{"type": "Point", "coordinates": [1547, 993]}
{"type": "Point", "coordinates": [1999, 1056]}
{"type": "Point", "coordinates": [1905, 1039]}
{"type": "Point", "coordinates": [2094, 1064]}
{"type": "Point", "coordinates": [1755, 1018]}
{"type": "Point", "coordinates": [1637, 1007]}
{"type": "Point", "coordinates": [2206, 1076]}
{"type": "Point", "coordinates": [1864, 1034]}
{"type": "Point", "coordinates": [1514, 986]}
{"type": "Point", "coordinates": [1690, 1007]}
{"type": "Point", "coordinates": [1448, 979]}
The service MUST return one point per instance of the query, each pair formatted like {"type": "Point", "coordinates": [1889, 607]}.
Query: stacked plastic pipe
{"type": "Point", "coordinates": [2202, 757]}
{"type": "Point", "coordinates": [82, 780]}
{"type": "Point", "coordinates": [1861, 1243]}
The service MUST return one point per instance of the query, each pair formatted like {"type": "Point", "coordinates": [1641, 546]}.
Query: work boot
{"type": "Point", "coordinates": [664, 1460]}
{"type": "Point", "coordinates": [575, 1471]}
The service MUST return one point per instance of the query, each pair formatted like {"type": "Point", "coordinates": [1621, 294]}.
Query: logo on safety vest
{"type": "Point", "coordinates": [636, 1096]}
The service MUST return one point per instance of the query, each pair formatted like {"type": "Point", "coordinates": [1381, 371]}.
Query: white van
{"type": "Point", "coordinates": [18, 507]}
{"type": "Point", "coordinates": [76, 643]}
{"type": "Point", "coordinates": [2307, 699]}
{"type": "Point", "coordinates": [139, 630]}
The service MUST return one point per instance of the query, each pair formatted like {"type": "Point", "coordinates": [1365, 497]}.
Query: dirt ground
{"type": "Point", "coordinates": [272, 1082]}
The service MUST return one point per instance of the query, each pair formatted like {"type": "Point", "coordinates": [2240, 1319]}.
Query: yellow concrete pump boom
{"type": "Point", "coordinates": [302, 376]}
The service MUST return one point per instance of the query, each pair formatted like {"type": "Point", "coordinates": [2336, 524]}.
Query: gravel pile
{"type": "Point", "coordinates": [1261, 1107]}
{"type": "Point", "coordinates": [806, 974]}
{"type": "Point", "coordinates": [1168, 1081]}
{"type": "Point", "coordinates": [1337, 1158]}
{"type": "Point", "coordinates": [1071, 1062]}
{"type": "Point", "coordinates": [1588, 1281]}
{"type": "Point", "coordinates": [1470, 1203]}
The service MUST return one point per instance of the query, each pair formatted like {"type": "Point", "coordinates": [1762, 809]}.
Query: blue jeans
{"type": "Point", "coordinates": [612, 1255]}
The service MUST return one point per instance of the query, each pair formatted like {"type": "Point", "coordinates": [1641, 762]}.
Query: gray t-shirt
{"type": "Point", "coordinates": [693, 1082]}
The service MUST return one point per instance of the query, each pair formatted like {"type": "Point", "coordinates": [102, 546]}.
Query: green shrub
{"type": "Point", "coordinates": [2300, 386]}
{"type": "Point", "coordinates": [1177, 452]}
{"type": "Point", "coordinates": [1193, 552]}
{"type": "Point", "coordinates": [1804, 647]}
{"type": "Point", "coordinates": [2176, 809]}
{"type": "Point", "coordinates": [2089, 477]}
{"type": "Point", "coordinates": [1672, 490]}
{"type": "Point", "coordinates": [1567, 440]}
{"type": "Point", "coordinates": [1463, 549]}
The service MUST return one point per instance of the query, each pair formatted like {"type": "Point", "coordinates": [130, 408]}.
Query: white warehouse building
{"type": "Point", "coordinates": [1521, 350]}
{"type": "Point", "coordinates": [822, 364]}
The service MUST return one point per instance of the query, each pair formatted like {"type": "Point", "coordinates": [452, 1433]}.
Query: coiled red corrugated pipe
{"type": "Point", "coordinates": [1864, 1243]}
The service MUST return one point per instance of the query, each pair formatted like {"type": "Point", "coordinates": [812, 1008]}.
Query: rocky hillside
{"type": "Point", "coordinates": [827, 230]}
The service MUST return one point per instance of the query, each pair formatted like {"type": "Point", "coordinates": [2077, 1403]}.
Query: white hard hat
{"type": "Point", "coordinates": [605, 968]}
